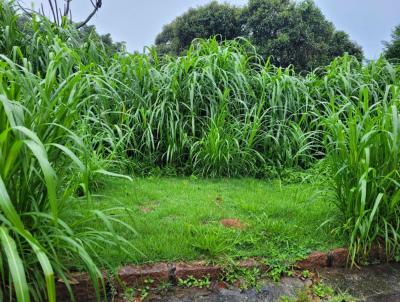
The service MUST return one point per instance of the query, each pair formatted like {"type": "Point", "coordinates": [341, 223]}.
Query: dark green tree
{"type": "Point", "coordinates": [202, 22]}
{"type": "Point", "coordinates": [392, 48]}
{"type": "Point", "coordinates": [293, 33]}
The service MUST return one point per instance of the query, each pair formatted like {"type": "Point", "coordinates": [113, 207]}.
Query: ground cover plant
{"type": "Point", "coordinates": [70, 113]}
{"type": "Point", "coordinates": [183, 219]}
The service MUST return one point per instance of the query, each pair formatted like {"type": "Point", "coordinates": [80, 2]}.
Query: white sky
{"type": "Point", "coordinates": [369, 22]}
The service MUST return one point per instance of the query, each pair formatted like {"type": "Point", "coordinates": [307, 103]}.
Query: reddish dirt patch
{"type": "Point", "coordinates": [149, 207]}
{"type": "Point", "coordinates": [146, 210]}
{"type": "Point", "coordinates": [233, 223]}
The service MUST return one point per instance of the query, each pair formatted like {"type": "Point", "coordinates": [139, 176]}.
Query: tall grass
{"type": "Point", "coordinates": [363, 140]}
{"type": "Point", "coordinates": [69, 111]}
{"type": "Point", "coordinates": [46, 157]}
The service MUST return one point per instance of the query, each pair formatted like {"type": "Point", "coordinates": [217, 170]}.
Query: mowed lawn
{"type": "Point", "coordinates": [180, 219]}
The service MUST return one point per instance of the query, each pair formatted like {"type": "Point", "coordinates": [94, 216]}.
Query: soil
{"type": "Point", "coordinates": [233, 223]}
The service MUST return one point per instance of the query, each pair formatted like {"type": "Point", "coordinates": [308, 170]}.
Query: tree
{"type": "Point", "coordinates": [203, 22]}
{"type": "Point", "coordinates": [291, 32]}
{"type": "Point", "coordinates": [295, 33]}
{"type": "Point", "coordinates": [60, 13]}
{"type": "Point", "coordinates": [392, 49]}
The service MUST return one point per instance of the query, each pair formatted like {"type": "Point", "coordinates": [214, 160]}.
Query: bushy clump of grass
{"type": "Point", "coordinates": [363, 141]}
{"type": "Point", "coordinates": [46, 156]}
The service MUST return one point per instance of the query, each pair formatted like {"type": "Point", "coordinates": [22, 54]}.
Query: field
{"type": "Point", "coordinates": [283, 152]}
{"type": "Point", "coordinates": [180, 219]}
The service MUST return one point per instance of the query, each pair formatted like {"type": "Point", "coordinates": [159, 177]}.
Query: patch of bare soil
{"type": "Point", "coordinates": [233, 223]}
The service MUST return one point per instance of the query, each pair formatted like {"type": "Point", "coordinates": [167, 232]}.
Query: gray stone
{"type": "Point", "coordinates": [269, 292]}
{"type": "Point", "coordinates": [369, 284]}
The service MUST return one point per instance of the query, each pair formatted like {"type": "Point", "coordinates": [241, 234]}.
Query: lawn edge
{"type": "Point", "coordinates": [132, 276]}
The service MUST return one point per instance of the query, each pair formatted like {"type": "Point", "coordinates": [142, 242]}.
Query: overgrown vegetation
{"type": "Point", "coordinates": [70, 111]}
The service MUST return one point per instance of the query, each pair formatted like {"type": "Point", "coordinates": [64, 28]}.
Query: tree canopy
{"type": "Point", "coordinates": [392, 48]}
{"type": "Point", "coordinates": [202, 22]}
{"type": "Point", "coordinates": [291, 32]}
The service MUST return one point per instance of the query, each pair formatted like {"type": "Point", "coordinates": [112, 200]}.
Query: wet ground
{"type": "Point", "coordinates": [375, 283]}
{"type": "Point", "coordinates": [267, 292]}
{"type": "Point", "coordinates": [371, 284]}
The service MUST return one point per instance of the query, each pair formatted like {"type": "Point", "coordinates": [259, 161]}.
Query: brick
{"type": "Point", "coordinates": [198, 270]}
{"type": "Point", "coordinates": [339, 257]}
{"type": "Point", "coordinates": [134, 275]}
{"type": "Point", "coordinates": [315, 260]}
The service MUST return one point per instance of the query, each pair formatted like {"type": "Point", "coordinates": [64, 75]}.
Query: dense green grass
{"type": "Point", "coordinates": [179, 218]}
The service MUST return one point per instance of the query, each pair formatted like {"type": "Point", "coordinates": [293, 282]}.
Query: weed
{"type": "Point", "coordinates": [194, 282]}
{"type": "Point", "coordinates": [323, 291]}
{"type": "Point", "coordinates": [306, 274]}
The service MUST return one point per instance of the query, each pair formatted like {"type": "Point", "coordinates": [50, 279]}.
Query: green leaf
{"type": "Point", "coordinates": [15, 265]}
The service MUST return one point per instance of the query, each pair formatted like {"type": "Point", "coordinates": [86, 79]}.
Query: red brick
{"type": "Point", "coordinates": [134, 275]}
{"type": "Point", "coordinates": [340, 257]}
{"type": "Point", "coordinates": [198, 270]}
{"type": "Point", "coordinates": [315, 260]}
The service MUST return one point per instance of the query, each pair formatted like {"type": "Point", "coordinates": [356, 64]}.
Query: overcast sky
{"type": "Point", "coordinates": [137, 22]}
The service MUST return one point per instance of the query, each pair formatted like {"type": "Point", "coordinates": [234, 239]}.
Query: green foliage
{"type": "Point", "coordinates": [203, 22]}
{"type": "Point", "coordinates": [392, 48]}
{"type": "Point", "coordinates": [318, 292]}
{"type": "Point", "coordinates": [305, 274]}
{"type": "Point", "coordinates": [44, 160]}
{"type": "Point", "coordinates": [247, 278]}
{"type": "Point", "coordinates": [70, 111]}
{"type": "Point", "coordinates": [322, 290]}
{"type": "Point", "coordinates": [292, 33]}
{"type": "Point", "coordinates": [295, 33]}
{"type": "Point", "coordinates": [194, 282]}
{"type": "Point", "coordinates": [363, 140]}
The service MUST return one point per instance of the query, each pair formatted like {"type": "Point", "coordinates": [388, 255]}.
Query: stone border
{"type": "Point", "coordinates": [136, 275]}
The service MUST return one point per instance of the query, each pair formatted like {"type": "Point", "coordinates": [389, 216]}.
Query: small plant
{"type": "Point", "coordinates": [129, 294]}
{"type": "Point", "coordinates": [287, 299]}
{"type": "Point", "coordinates": [248, 278]}
{"type": "Point", "coordinates": [279, 266]}
{"type": "Point", "coordinates": [163, 286]}
{"type": "Point", "coordinates": [342, 298]}
{"type": "Point", "coordinates": [323, 291]}
{"type": "Point", "coordinates": [194, 282]}
{"type": "Point", "coordinates": [144, 291]}
{"type": "Point", "coordinates": [306, 274]}
{"type": "Point", "coordinates": [304, 295]}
